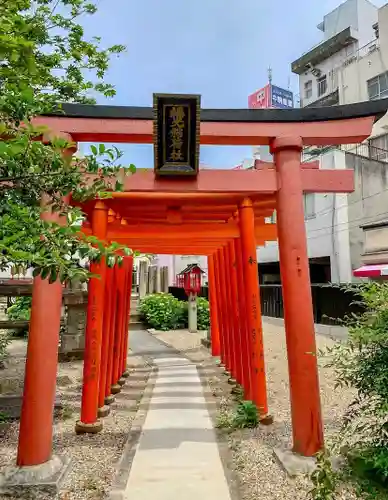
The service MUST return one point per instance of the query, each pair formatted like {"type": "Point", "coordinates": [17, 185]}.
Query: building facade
{"type": "Point", "coordinates": [349, 65]}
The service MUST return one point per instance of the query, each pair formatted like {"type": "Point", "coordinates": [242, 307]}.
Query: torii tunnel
{"type": "Point", "coordinates": [221, 214]}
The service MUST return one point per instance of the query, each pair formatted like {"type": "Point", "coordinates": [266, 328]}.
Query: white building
{"type": "Point", "coordinates": [349, 65]}
{"type": "Point", "coordinates": [351, 62]}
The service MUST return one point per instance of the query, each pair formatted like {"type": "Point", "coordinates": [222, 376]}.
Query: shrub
{"type": "Point", "coordinates": [21, 309]}
{"type": "Point", "coordinates": [162, 311]}
{"type": "Point", "coordinates": [246, 415]}
{"type": "Point", "coordinates": [203, 315]}
{"type": "Point", "coordinates": [362, 364]}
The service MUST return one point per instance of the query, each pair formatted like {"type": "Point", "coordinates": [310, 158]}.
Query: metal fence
{"type": "Point", "coordinates": [330, 303]}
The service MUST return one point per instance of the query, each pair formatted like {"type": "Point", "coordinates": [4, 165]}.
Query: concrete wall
{"type": "Point", "coordinates": [368, 203]}
{"type": "Point", "coordinates": [342, 17]}
{"type": "Point", "coordinates": [376, 240]}
{"type": "Point", "coordinates": [369, 64]}
{"type": "Point", "coordinates": [351, 68]}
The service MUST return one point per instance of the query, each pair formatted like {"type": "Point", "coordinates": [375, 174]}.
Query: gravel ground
{"type": "Point", "coordinates": [258, 473]}
{"type": "Point", "coordinates": [93, 457]}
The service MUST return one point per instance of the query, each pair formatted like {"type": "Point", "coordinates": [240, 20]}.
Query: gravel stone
{"type": "Point", "coordinates": [259, 475]}
{"type": "Point", "coordinates": [93, 457]}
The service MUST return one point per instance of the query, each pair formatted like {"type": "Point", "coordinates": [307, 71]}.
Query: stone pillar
{"type": "Point", "coordinates": [151, 279]}
{"type": "Point", "coordinates": [72, 337]}
{"type": "Point", "coordinates": [192, 312]}
{"type": "Point", "coordinates": [298, 308]}
{"type": "Point", "coordinates": [142, 273]}
{"type": "Point", "coordinates": [164, 279]}
{"type": "Point", "coordinates": [158, 283]}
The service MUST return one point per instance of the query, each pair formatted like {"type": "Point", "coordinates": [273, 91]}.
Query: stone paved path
{"type": "Point", "coordinates": [177, 455]}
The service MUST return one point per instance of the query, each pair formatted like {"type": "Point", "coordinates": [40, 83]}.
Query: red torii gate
{"type": "Point", "coordinates": [219, 214]}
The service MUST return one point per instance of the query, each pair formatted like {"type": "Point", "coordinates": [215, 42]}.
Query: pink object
{"type": "Point", "coordinates": [372, 271]}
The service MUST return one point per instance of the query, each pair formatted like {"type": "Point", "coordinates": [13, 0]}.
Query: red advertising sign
{"type": "Point", "coordinates": [260, 99]}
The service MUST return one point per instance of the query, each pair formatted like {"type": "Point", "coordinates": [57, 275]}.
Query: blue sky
{"type": "Point", "coordinates": [220, 49]}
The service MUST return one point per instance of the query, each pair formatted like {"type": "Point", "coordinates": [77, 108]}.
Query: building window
{"type": "Point", "coordinates": [322, 85]}
{"type": "Point", "coordinates": [309, 205]}
{"type": "Point", "coordinates": [378, 148]}
{"type": "Point", "coordinates": [378, 86]}
{"type": "Point", "coordinates": [308, 89]}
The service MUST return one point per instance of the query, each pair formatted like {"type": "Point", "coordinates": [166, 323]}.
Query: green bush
{"type": "Point", "coordinates": [361, 363]}
{"type": "Point", "coordinates": [246, 415]}
{"type": "Point", "coordinates": [162, 311]}
{"type": "Point", "coordinates": [21, 309]}
{"type": "Point", "coordinates": [203, 317]}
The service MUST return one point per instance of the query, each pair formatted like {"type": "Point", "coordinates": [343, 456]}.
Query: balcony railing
{"type": "Point", "coordinates": [364, 149]}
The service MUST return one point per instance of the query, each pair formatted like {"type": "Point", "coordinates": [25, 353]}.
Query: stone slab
{"type": "Point", "coordinates": [177, 455]}
{"type": "Point", "coordinates": [35, 481]}
{"type": "Point", "coordinates": [293, 463]}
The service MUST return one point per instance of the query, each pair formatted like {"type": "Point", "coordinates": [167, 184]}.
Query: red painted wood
{"type": "Point", "coordinates": [244, 327]}
{"type": "Point", "coordinates": [213, 297]}
{"type": "Point", "coordinates": [94, 324]}
{"type": "Point", "coordinates": [298, 310]}
{"type": "Point", "coordinates": [347, 131]}
{"type": "Point", "coordinates": [248, 244]}
{"type": "Point", "coordinates": [105, 336]}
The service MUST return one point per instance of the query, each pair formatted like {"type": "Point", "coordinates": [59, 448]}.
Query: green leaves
{"type": "Point", "coordinates": [361, 363]}
{"type": "Point", "coordinates": [42, 66]}
{"type": "Point", "coordinates": [163, 311]}
{"type": "Point", "coordinates": [247, 415]}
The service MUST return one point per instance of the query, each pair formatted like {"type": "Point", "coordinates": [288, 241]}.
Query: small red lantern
{"type": "Point", "coordinates": [190, 279]}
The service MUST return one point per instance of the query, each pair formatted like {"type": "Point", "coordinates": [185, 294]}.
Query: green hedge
{"type": "Point", "coordinates": [163, 311]}
{"type": "Point", "coordinates": [203, 314]}
{"type": "Point", "coordinates": [21, 309]}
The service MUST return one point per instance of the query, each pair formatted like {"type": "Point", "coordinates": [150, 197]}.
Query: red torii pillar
{"type": "Point", "coordinates": [213, 291]}
{"type": "Point", "coordinates": [40, 377]}
{"type": "Point", "coordinates": [89, 422]}
{"type": "Point", "coordinates": [36, 422]}
{"type": "Point", "coordinates": [219, 307]}
{"type": "Point", "coordinates": [109, 396]}
{"type": "Point", "coordinates": [253, 307]}
{"type": "Point", "coordinates": [118, 331]}
{"type": "Point", "coordinates": [244, 330]}
{"type": "Point", "coordinates": [298, 310]}
{"type": "Point", "coordinates": [231, 310]}
{"type": "Point", "coordinates": [237, 316]}
{"type": "Point", "coordinates": [103, 409]}
{"type": "Point", "coordinates": [224, 311]}
{"type": "Point", "coordinates": [125, 372]}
